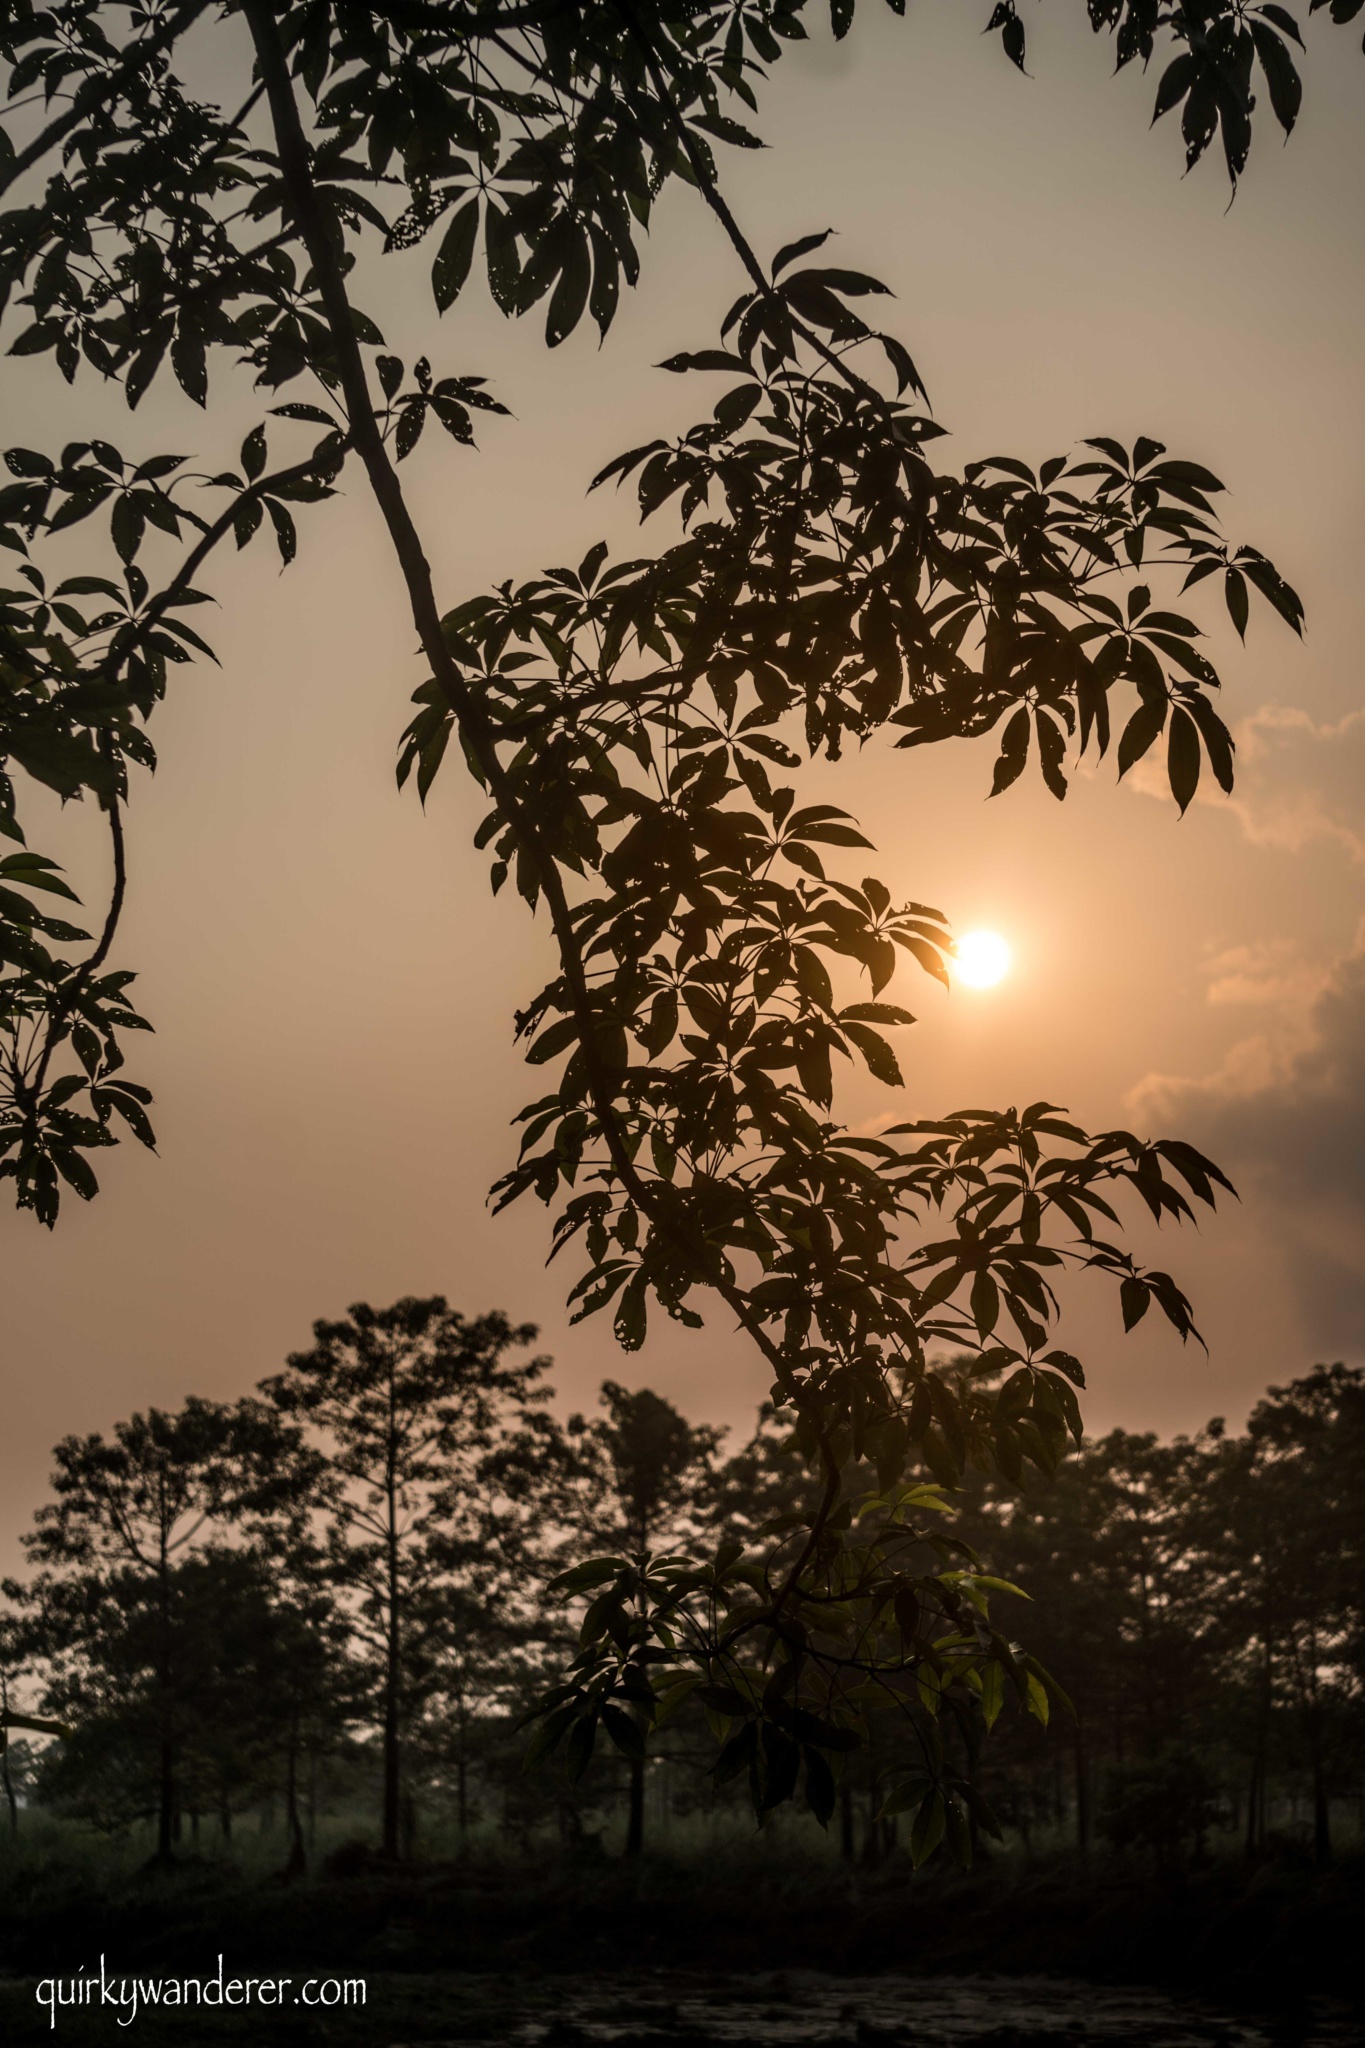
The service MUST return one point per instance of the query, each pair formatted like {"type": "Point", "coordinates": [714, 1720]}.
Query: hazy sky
{"type": "Point", "coordinates": [332, 986]}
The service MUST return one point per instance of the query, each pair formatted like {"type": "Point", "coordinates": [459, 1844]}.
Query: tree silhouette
{"type": "Point", "coordinates": [1285, 1529]}
{"type": "Point", "coordinates": [630, 724]}
{"type": "Point", "coordinates": [131, 1512]}
{"type": "Point", "coordinates": [649, 1473]}
{"type": "Point", "coordinates": [412, 1410]}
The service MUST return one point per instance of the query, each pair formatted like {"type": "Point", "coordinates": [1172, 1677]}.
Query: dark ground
{"type": "Point", "coordinates": [1119, 1958]}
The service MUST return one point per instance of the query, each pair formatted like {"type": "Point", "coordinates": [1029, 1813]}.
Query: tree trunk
{"type": "Point", "coordinates": [846, 1842]}
{"type": "Point", "coordinates": [393, 1789]}
{"type": "Point", "coordinates": [1256, 1805]}
{"type": "Point", "coordinates": [166, 1815]}
{"type": "Point", "coordinates": [462, 1770]}
{"type": "Point", "coordinates": [635, 1824]}
{"type": "Point", "coordinates": [168, 1803]}
{"type": "Point", "coordinates": [1082, 1792]}
{"type": "Point", "coordinates": [1322, 1811]}
{"type": "Point", "coordinates": [1256, 1796]}
{"type": "Point", "coordinates": [297, 1865]}
{"type": "Point", "coordinates": [7, 1781]}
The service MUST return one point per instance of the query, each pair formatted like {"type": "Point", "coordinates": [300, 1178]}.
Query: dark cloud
{"type": "Point", "coordinates": [1293, 1138]}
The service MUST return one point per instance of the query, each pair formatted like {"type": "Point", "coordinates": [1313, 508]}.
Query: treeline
{"type": "Point", "coordinates": [339, 1593]}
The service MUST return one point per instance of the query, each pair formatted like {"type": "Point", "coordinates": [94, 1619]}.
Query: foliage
{"type": "Point", "coordinates": [1200, 1600]}
{"type": "Point", "coordinates": [1203, 1603]}
{"type": "Point", "coordinates": [425, 1429]}
{"type": "Point", "coordinates": [829, 583]}
{"type": "Point", "coordinates": [118, 1608]}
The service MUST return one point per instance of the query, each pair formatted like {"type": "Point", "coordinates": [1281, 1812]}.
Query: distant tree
{"type": "Point", "coordinates": [265, 1682]}
{"type": "Point", "coordinates": [105, 1609]}
{"type": "Point", "coordinates": [824, 585]}
{"type": "Point", "coordinates": [1128, 1603]}
{"type": "Point", "coordinates": [646, 1476]}
{"type": "Point", "coordinates": [647, 1470]}
{"type": "Point", "coordinates": [1284, 1527]}
{"type": "Point", "coordinates": [17, 1759]}
{"type": "Point", "coordinates": [415, 1414]}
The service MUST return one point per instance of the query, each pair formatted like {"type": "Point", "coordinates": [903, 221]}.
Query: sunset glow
{"type": "Point", "coordinates": [983, 959]}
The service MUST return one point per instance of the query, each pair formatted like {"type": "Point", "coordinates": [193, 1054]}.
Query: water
{"type": "Point", "coordinates": [799, 2009]}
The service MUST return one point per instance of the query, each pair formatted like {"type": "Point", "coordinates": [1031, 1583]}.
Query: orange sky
{"type": "Point", "coordinates": [331, 984]}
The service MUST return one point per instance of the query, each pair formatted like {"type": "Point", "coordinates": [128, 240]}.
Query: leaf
{"type": "Point", "coordinates": [723, 1699]}
{"type": "Point", "coordinates": [411, 421]}
{"type": "Point", "coordinates": [1014, 745]}
{"type": "Point", "coordinates": [1281, 75]}
{"type": "Point", "coordinates": [190, 366]}
{"type": "Point", "coordinates": [791, 250]}
{"type": "Point", "coordinates": [504, 264]}
{"type": "Point", "coordinates": [707, 359]}
{"type": "Point", "coordinates": [1273, 587]}
{"type": "Point", "coordinates": [253, 454]}
{"type": "Point", "coordinates": [927, 1832]}
{"type": "Point", "coordinates": [579, 1749]}
{"type": "Point", "coordinates": [1176, 81]}
{"type": "Point", "coordinates": [959, 1834]}
{"type": "Point", "coordinates": [286, 534]}
{"type": "Point", "coordinates": [985, 1303]}
{"type": "Point", "coordinates": [1140, 733]}
{"type": "Point", "coordinates": [1182, 758]}
{"type": "Point", "coordinates": [594, 1571]}
{"type": "Point", "coordinates": [625, 1732]}
{"type": "Point", "coordinates": [881, 1061]}
{"type": "Point", "coordinates": [570, 295]}
{"type": "Point", "coordinates": [820, 1786]}
{"type": "Point", "coordinates": [632, 1315]}
{"type": "Point", "coordinates": [1235, 592]}
{"type": "Point", "coordinates": [1134, 1301]}
{"type": "Point", "coordinates": [455, 256]}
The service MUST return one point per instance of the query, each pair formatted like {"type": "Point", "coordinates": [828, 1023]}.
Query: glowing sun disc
{"type": "Point", "coordinates": [983, 959]}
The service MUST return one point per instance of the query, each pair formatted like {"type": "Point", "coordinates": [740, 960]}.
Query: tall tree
{"type": "Point", "coordinates": [1284, 1527]}
{"type": "Point", "coordinates": [130, 1511]}
{"type": "Point", "coordinates": [648, 1468]}
{"type": "Point", "coordinates": [412, 1411]}
{"type": "Point", "coordinates": [649, 1474]}
{"type": "Point", "coordinates": [831, 584]}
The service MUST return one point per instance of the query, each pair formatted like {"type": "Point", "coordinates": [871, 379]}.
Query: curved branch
{"type": "Point", "coordinates": [474, 724]}
{"type": "Point", "coordinates": [29, 1093]}
{"type": "Point", "coordinates": [155, 612]}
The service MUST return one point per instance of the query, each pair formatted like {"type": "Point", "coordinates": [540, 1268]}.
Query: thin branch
{"type": "Point", "coordinates": [93, 94]}
{"type": "Point", "coordinates": [714, 198]}
{"type": "Point", "coordinates": [30, 1092]}
{"type": "Point", "coordinates": [156, 610]}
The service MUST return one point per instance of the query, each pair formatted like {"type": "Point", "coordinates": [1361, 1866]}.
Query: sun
{"type": "Point", "coordinates": [983, 959]}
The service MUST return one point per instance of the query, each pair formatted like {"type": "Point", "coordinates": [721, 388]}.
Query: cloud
{"type": "Point", "coordinates": [1298, 783]}
{"type": "Point", "coordinates": [1285, 1116]}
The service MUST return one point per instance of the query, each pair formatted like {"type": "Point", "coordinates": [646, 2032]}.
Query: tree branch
{"type": "Point", "coordinates": [473, 722]}
{"type": "Point", "coordinates": [715, 199]}
{"type": "Point", "coordinates": [156, 610]}
{"type": "Point", "coordinates": [94, 94]}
